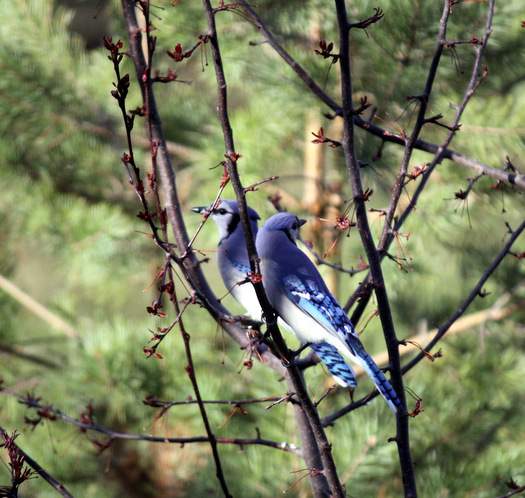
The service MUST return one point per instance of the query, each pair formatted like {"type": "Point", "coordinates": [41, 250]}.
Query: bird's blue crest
{"type": "Point", "coordinates": [283, 221]}
{"type": "Point", "coordinates": [233, 206]}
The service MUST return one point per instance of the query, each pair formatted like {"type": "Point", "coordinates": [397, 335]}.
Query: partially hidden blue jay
{"type": "Point", "coordinates": [234, 267]}
{"type": "Point", "coordinates": [301, 298]}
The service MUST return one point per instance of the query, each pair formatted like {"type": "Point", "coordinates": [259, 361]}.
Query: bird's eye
{"type": "Point", "coordinates": [222, 211]}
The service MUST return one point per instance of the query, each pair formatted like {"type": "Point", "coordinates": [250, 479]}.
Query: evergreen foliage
{"type": "Point", "coordinates": [70, 238]}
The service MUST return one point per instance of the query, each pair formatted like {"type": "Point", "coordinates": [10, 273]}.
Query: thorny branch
{"type": "Point", "coordinates": [443, 329]}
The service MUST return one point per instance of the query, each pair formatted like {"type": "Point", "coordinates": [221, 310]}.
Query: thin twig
{"type": "Point", "coordinates": [147, 82]}
{"type": "Point", "coordinates": [509, 178]}
{"type": "Point", "coordinates": [474, 81]}
{"type": "Point", "coordinates": [51, 413]}
{"type": "Point", "coordinates": [52, 481]}
{"type": "Point", "coordinates": [158, 403]}
{"type": "Point", "coordinates": [444, 328]}
{"type": "Point", "coordinates": [190, 266]}
{"type": "Point", "coordinates": [319, 260]}
{"type": "Point", "coordinates": [190, 369]}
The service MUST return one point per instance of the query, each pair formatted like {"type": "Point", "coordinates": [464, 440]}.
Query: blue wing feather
{"type": "Point", "coordinates": [316, 301]}
{"type": "Point", "coordinates": [335, 364]}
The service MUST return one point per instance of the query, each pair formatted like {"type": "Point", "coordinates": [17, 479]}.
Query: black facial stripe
{"type": "Point", "coordinates": [234, 222]}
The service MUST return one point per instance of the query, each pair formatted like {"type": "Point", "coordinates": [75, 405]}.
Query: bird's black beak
{"type": "Point", "coordinates": [302, 222]}
{"type": "Point", "coordinates": [199, 209]}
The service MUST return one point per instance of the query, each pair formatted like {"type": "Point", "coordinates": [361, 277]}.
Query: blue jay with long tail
{"type": "Point", "coordinates": [300, 297]}
{"type": "Point", "coordinates": [234, 267]}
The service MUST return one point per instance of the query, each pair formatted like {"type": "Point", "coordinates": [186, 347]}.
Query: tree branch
{"type": "Point", "coordinates": [278, 342]}
{"type": "Point", "coordinates": [363, 291]}
{"type": "Point", "coordinates": [86, 423]}
{"type": "Point", "coordinates": [52, 481]}
{"type": "Point", "coordinates": [461, 325]}
{"type": "Point", "coordinates": [515, 179]}
{"type": "Point", "coordinates": [151, 117]}
{"type": "Point", "coordinates": [385, 315]}
{"type": "Point", "coordinates": [443, 329]}
{"type": "Point", "coordinates": [189, 264]}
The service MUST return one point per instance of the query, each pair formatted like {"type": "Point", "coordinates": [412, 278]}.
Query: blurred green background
{"type": "Point", "coordinates": [70, 239]}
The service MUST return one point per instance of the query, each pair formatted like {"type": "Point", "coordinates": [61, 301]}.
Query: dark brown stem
{"type": "Point", "coordinates": [514, 492]}
{"type": "Point", "coordinates": [157, 143]}
{"type": "Point", "coordinates": [189, 265]}
{"type": "Point", "coordinates": [329, 469]}
{"type": "Point", "coordinates": [53, 414]}
{"type": "Point", "coordinates": [474, 81]}
{"type": "Point", "coordinates": [190, 370]}
{"type": "Point", "coordinates": [52, 481]}
{"type": "Point", "coordinates": [158, 403]}
{"type": "Point", "coordinates": [509, 178]}
{"type": "Point", "coordinates": [423, 100]}
{"type": "Point", "coordinates": [442, 330]}
{"type": "Point", "coordinates": [385, 315]}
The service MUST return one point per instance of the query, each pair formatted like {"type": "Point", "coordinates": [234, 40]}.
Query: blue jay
{"type": "Point", "coordinates": [299, 295]}
{"type": "Point", "coordinates": [234, 267]}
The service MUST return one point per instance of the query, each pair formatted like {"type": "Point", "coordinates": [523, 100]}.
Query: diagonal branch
{"type": "Point", "coordinates": [385, 314]}
{"type": "Point", "coordinates": [189, 264]}
{"type": "Point", "coordinates": [147, 92]}
{"type": "Point", "coordinates": [363, 291]}
{"type": "Point", "coordinates": [509, 178]}
{"type": "Point", "coordinates": [329, 469]}
{"type": "Point", "coordinates": [463, 324]}
{"type": "Point", "coordinates": [443, 329]}
{"type": "Point", "coordinates": [52, 481]}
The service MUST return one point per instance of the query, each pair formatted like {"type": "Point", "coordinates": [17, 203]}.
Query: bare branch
{"type": "Point", "coordinates": [85, 423]}
{"type": "Point", "coordinates": [190, 266]}
{"type": "Point", "coordinates": [476, 77]}
{"type": "Point", "coordinates": [461, 325]}
{"type": "Point", "coordinates": [443, 329]}
{"type": "Point", "coordinates": [52, 481]}
{"type": "Point", "coordinates": [278, 345]}
{"type": "Point", "coordinates": [518, 180]}
{"type": "Point", "coordinates": [385, 315]}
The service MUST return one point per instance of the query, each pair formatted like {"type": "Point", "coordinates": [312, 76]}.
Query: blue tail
{"type": "Point", "coordinates": [375, 373]}
{"type": "Point", "coordinates": [335, 364]}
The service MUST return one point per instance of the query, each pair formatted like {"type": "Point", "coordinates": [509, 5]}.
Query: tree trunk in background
{"type": "Point", "coordinates": [314, 169]}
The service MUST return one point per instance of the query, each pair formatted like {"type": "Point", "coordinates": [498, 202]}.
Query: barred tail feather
{"type": "Point", "coordinates": [377, 376]}
{"type": "Point", "coordinates": [335, 364]}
